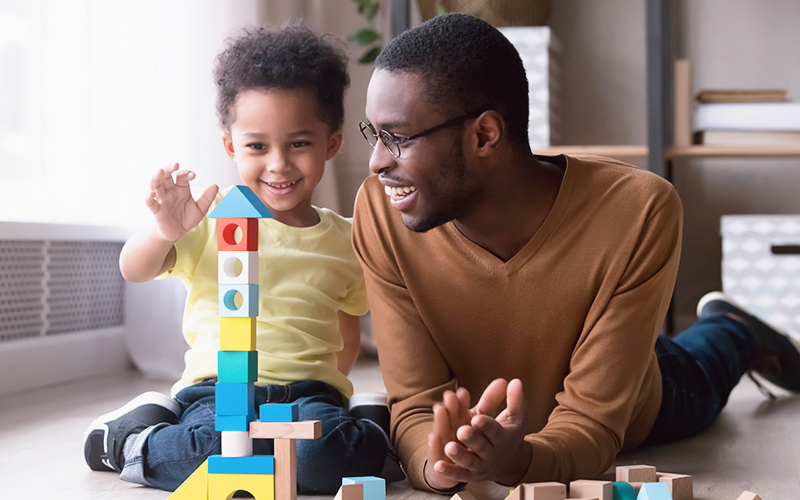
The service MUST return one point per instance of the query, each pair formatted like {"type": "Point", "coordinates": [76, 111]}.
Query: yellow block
{"type": "Point", "coordinates": [223, 486]}
{"type": "Point", "coordinates": [237, 334]}
{"type": "Point", "coordinates": [195, 487]}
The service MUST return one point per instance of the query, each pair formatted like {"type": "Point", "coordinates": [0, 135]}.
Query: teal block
{"type": "Point", "coordinates": [239, 423]}
{"type": "Point", "coordinates": [654, 491]}
{"type": "Point", "coordinates": [240, 203]}
{"type": "Point", "coordinates": [278, 412]}
{"type": "Point", "coordinates": [624, 491]}
{"type": "Point", "coordinates": [256, 464]}
{"type": "Point", "coordinates": [237, 366]}
{"type": "Point", "coordinates": [234, 398]}
{"type": "Point", "coordinates": [374, 487]}
{"type": "Point", "coordinates": [227, 300]}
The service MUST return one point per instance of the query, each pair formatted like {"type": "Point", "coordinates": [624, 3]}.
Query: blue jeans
{"type": "Point", "coordinates": [168, 454]}
{"type": "Point", "coordinates": [699, 369]}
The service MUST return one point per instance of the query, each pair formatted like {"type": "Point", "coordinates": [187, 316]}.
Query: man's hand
{"type": "Point", "coordinates": [172, 204]}
{"type": "Point", "coordinates": [472, 445]}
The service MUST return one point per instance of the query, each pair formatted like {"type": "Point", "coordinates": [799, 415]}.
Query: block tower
{"type": "Point", "coordinates": [266, 477]}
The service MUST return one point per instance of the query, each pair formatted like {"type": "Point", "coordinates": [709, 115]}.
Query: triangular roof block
{"type": "Point", "coordinates": [240, 203]}
{"type": "Point", "coordinates": [654, 491]}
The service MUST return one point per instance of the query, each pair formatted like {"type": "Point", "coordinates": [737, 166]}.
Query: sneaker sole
{"type": "Point", "coordinates": [147, 398]}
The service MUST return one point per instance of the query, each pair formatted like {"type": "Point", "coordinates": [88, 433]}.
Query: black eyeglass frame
{"type": "Point", "coordinates": [389, 139]}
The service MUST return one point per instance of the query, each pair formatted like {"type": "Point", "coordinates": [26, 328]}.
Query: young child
{"type": "Point", "coordinates": [280, 104]}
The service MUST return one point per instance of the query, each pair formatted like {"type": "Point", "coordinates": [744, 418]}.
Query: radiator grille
{"type": "Point", "coordinates": [53, 287]}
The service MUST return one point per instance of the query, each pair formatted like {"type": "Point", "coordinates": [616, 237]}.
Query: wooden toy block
{"type": "Point", "coordinates": [623, 491]}
{"type": "Point", "coordinates": [278, 412]}
{"type": "Point", "coordinates": [680, 485]}
{"type": "Point", "coordinates": [253, 464]}
{"type": "Point", "coordinates": [240, 423]}
{"type": "Point", "coordinates": [237, 366]}
{"type": "Point", "coordinates": [350, 492]}
{"type": "Point", "coordinates": [237, 267]}
{"type": "Point", "coordinates": [307, 429]}
{"type": "Point", "coordinates": [544, 491]}
{"type": "Point", "coordinates": [748, 495]}
{"type": "Point", "coordinates": [227, 240]}
{"type": "Point", "coordinates": [240, 201]}
{"type": "Point", "coordinates": [602, 490]}
{"type": "Point", "coordinates": [238, 301]}
{"type": "Point", "coordinates": [223, 486]}
{"type": "Point", "coordinates": [237, 334]}
{"type": "Point", "coordinates": [195, 487]}
{"type": "Point", "coordinates": [463, 495]}
{"type": "Point", "coordinates": [234, 398]}
{"type": "Point", "coordinates": [236, 444]}
{"type": "Point", "coordinates": [516, 494]}
{"type": "Point", "coordinates": [374, 487]}
{"type": "Point", "coordinates": [285, 469]}
{"type": "Point", "coordinates": [637, 474]}
{"type": "Point", "coordinates": [654, 491]}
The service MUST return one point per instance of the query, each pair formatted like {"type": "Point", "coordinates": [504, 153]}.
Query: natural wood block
{"type": "Point", "coordinates": [587, 488]}
{"type": "Point", "coordinates": [544, 491]}
{"type": "Point", "coordinates": [681, 486]}
{"type": "Point", "coordinates": [748, 495]}
{"type": "Point", "coordinates": [516, 494]}
{"type": "Point", "coordinates": [350, 492]}
{"type": "Point", "coordinates": [307, 429]}
{"type": "Point", "coordinates": [463, 495]}
{"type": "Point", "coordinates": [285, 469]}
{"type": "Point", "coordinates": [637, 474]}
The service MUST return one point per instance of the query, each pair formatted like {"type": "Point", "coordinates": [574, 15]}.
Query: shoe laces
{"type": "Point", "coordinates": [761, 387]}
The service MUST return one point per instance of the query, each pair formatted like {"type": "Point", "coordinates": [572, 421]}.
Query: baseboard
{"type": "Point", "coordinates": [37, 362]}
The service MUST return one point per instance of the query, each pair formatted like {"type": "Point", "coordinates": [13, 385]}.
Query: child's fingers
{"type": "Point", "coordinates": [182, 177]}
{"type": "Point", "coordinates": [151, 202]}
{"type": "Point", "coordinates": [207, 198]}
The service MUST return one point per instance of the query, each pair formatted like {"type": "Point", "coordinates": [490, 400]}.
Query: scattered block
{"type": "Point", "coordinates": [237, 334]}
{"type": "Point", "coordinates": [236, 444]}
{"type": "Point", "coordinates": [240, 201]}
{"type": "Point", "coordinates": [680, 485]}
{"type": "Point", "coordinates": [586, 488]}
{"type": "Point", "coordinates": [253, 464]}
{"type": "Point", "coordinates": [234, 398]}
{"type": "Point", "coordinates": [285, 469]}
{"type": "Point", "coordinates": [637, 474]}
{"type": "Point", "coordinates": [550, 490]}
{"type": "Point", "coordinates": [237, 366]}
{"type": "Point", "coordinates": [516, 494]}
{"type": "Point", "coordinates": [278, 412]}
{"type": "Point", "coordinates": [350, 492]}
{"type": "Point", "coordinates": [307, 429]}
{"type": "Point", "coordinates": [195, 487]}
{"type": "Point", "coordinates": [223, 486]}
{"type": "Point", "coordinates": [746, 495]}
{"type": "Point", "coordinates": [238, 301]}
{"type": "Point", "coordinates": [654, 491]}
{"type": "Point", "coordinates": [237, 267]}
{"type": "Point", "coordinates": [237, 235]}
{"type": "Point", "coordinates": [463, 495]}
{"type": "Point", "coordinates": [374, 487]}
{"type": "Point", "coordinates": [623, 491]}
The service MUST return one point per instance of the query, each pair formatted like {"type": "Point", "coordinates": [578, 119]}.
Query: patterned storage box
{"type": "Point", "coordinates": [761, 266]}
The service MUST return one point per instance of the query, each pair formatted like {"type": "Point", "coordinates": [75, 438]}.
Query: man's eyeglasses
{"type": "Point", "coordinates": [393, 142]}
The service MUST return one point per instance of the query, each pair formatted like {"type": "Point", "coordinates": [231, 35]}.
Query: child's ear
{"type": "Point", "coordinates": [334, 143]}
{"type": "Point", "coordinates": [227, 143]}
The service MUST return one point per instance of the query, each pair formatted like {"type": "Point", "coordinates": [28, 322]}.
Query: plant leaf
{"type": "Point", "coordinates": [371, 11]}
{"type": "Point", "coordinates": [440, 9]}
{"type": "Point", "coordinates": [370, 55]}
{"type": "Point", "coordinates": [363, 37]}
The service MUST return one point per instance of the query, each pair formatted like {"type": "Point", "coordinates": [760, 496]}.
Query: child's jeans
{"type": "Point", "coordinates": [699, 369]}
{"type": "Point", "coordinates": [164, 455]}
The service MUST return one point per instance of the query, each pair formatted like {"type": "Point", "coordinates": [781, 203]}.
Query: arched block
{"type": "Point", "coordinates": [237, 268]}
{"type": "Point", "coordinates": [223, 486]}
{"type": "Point", "coordinates": [226, 235]}
{"type": "Point", "coordinates": [228, 299]}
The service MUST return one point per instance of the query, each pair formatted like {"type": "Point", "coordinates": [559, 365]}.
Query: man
{"type": "Point", "coordinates": [531, 282]}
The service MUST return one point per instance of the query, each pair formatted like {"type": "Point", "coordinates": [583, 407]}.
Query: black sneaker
{"type": "Point", "coordinates": [105, 437]}
{"type": "Point", "coordinates": [371, 406]}
{"type": "Point", "coordinates": [777, 355]}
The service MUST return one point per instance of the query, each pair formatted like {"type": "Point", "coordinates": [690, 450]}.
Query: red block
{"type": "Point", "coordinates": [226, 235]}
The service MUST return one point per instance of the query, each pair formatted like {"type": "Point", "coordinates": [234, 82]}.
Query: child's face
{"type": "Point", "coordinates": [280, 147]}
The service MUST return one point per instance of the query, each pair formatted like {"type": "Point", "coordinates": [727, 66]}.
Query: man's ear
{"type": "Point", "coordinates": [489, 129]}
{"type": "Point", "coordinates": [334, 143]}
{"type": "Point", "coordinates": [227, 143]}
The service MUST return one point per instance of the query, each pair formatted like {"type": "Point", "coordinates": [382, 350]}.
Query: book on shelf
{"type": "Point", "coordinates": [746, 138]}
{"type": "Point", "coordinates": [755, 95]}
{"type": "Point", "coordinates": [748, 116]}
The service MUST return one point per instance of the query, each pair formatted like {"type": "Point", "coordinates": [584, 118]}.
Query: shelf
{"type": "Point", "coordinates": [700, 151]}
{"type": "Point", "coordinates": [610, 151]}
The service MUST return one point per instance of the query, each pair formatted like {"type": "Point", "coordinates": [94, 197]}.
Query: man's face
{"type": "Point", "coordinates": [430, 183]}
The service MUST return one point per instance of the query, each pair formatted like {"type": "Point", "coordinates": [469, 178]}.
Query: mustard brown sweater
{"type": "Point", "coordinates": [574, 315]}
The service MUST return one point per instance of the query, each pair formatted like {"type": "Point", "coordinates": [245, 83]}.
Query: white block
{"type": "Point", "coordinates": [236, 444]}
{"type": "Point", "coordinates": [237, 267]}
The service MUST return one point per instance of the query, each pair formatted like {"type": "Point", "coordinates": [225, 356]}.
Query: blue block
{"type": "Point", "coordinates": [654, 491]}
{"type": "Point", "coordinates": [227, 301]}
{"type": "Point", "coordinates": [237, 366]}
{"type": "Point", "coordinates": [232, 398]}
{"type": "Point", "coordinates": [278, 412]}
{"type": "Point", "coordinates": [256, 464]}
{"type": "Point", "coordinates": [374, 487]}
{"type": "Point", "coordinates": [239, 423]}
{"type": "Point", "coordinates": [240, 202]}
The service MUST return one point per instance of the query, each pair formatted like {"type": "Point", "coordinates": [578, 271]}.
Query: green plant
{"type": "Point", "coordinates": [368, 37]}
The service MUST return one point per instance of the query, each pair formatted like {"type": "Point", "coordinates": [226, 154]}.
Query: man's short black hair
{"type": "Point", "coordinates": [292, 57]}
{"type": "Point", "coordinates": [466, 64]}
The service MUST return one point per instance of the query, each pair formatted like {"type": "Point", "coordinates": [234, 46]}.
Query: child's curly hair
{"type": "Point", "coordinates": [287, 58]}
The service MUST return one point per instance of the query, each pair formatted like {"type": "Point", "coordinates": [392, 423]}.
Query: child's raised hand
{"type": "Point", "coordinates": [171, 202]}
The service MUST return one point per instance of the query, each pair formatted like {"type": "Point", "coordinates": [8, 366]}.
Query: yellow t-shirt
{"type": "Point", "coordinates": [306, 275]}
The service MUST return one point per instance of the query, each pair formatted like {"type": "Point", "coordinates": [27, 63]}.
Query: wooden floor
{"type": "Point", "coordinates": [755, 445]}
